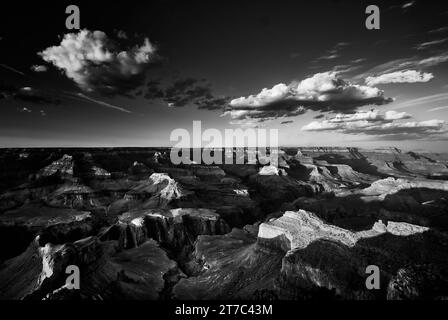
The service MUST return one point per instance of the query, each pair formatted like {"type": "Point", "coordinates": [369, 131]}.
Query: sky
{"type": "Point", "coordinates": [135, 72]}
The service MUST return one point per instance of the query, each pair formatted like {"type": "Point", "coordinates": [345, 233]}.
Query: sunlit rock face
{"type": "Point", "coordinates": [158, 190]}
{"type": "Point", "coordinates": [385, 187]}
{"type": "Point", "coordinates": [324, 257]}
{"type": "Point", "coordinates": [297, 230]}
{"type": "Point", "coordinates": [271, 171]}
{"type": "Point", "coordinates": [63, 167]}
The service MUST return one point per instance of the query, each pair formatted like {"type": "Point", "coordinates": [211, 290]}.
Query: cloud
{"type": "Point", "coordinates": [39, 68]}
{"type": "Point", "coordinates": [382, 125]}
{"type": "Point", "coordinates": [25, 109]}
{"type": "Point", "coordinates": [333, 53]}
{"type": "Point", "coordinates": [27, 94]}
{"type": "Point", "coordinates": [433, 61]}
{"type": "Point", "coordinates": [428, 44]}
{"type": "Point", "coordinates": [438, 109]}
{"type": "Point", "coordinates": [407, 76]}
{"type": "Point", "coordinates": [323, 92]}
{"type": "Point", "coordinates": [371, 116]}
{"type": "Point", "coordinates": [287, 122]}
{"type": "Point", "coordinates": [408, 5]}
{"type": "Point", "coordinates": [187, 91]}
{"type": "Point", "coordinates": [4, 66]}
{"type": "Point", "coordinates": [102, 103]}
{"type": "Point", "coordinates": [96, 63]}
{"type": "Point", "coordinates": [153, 90]}
{"type": "Point", "coordinates": [121, 34]}
{"type": "Point", "coordinates": [439, 30]}
{"type": "Point", "coordinates": [358, 60]}
{"type": "Point", "coordinates": [404, 64]}
{"type": "Point", "coordinates": [422, 100]}
{"type": "Point", "coordinates": [213, 103]}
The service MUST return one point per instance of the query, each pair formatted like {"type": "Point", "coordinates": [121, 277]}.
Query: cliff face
{"type": "Point", "coordinates": [106, 271]}
{"type": "Point", "coordinates": [176, 229]}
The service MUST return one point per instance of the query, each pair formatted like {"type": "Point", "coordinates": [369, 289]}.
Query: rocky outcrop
{"type": "Point", "coordinates": [385, 187]}
{"type": "Point", "coordinates": [297, 230]}
{"type": "Point", "coordinates": [62, 167]}
{"type": "Point", "coordinates": [176, 229]}
{"type": "Point", "coordinates": [271, 171]}
{"type": "Point", "coordinates": [160, 189]}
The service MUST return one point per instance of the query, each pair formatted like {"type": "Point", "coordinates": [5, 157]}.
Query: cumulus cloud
{"type": "Point", "coordinates": [384, 125]}
{"type": "Point", "coordinates": [406, 76]}
{"type": "Point", "coordinates": [96, 63]}
{"type": "Point", "coordinates": [324, 92]}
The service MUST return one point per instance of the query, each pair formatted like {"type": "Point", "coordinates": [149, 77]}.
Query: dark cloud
{"type": "Point", "coordinates": [184, 92]}
{"type": "Point", "coordinates": [287, 122]}
{"type": "Point", "coordinates": [187, 91]}
{"type": "Point", "coordinates": [319, 116]}
{"type": "Point", "coordinates": [153, 90]}
{"type": "Point", "coordinates": [213, 103]}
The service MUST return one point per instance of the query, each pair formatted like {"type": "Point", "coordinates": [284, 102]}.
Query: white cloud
{"type": "Point", "coordinates": [372, 115]}
{"type": "Point", "coordinates": [406, 76]}
{"type": "Point", "coordinates": [25, 109]}
{"type": "Point", "coordinates": [39, 68]}
{"type": "Point", "coordinates": [433, 61]}
{"type": "Point", "coordinates": [404, 64]}
{"type": "Point", "coordinates": [324, 92]}
{"type": "Point", "coordinates": [408, 5]}
{"type": "Point", "coordinates": [438, 109]}
{"type": "Point", "coordinates": [94, 62]}
{"type": "Point", "coordinates": [428, 44]}
{"type": "Point", "coordinates": [380, 124]}
{"type": "Point", "coordinates": [423, 100]}
{"type": "Point", "coordinates": [102, 103]}
{"type": "Point", "coordinates": [265, 97]}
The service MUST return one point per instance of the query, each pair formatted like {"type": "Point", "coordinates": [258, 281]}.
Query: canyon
{"type": "Point", "coordinates": [140, 227]}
